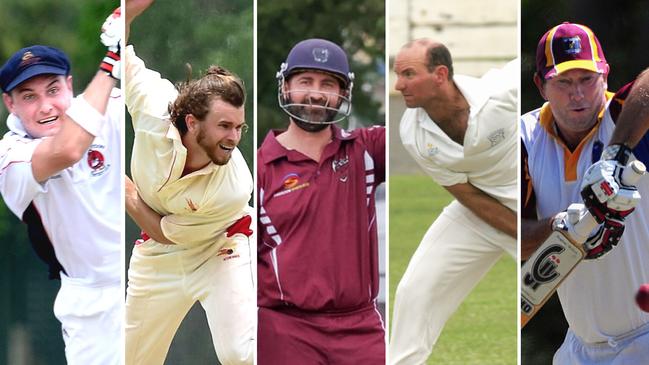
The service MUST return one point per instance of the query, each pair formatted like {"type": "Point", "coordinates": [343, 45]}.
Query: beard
{"type": "Point", "coordinates": [318, 118]}
{"type": "Point", "coordinates": [212, 150]}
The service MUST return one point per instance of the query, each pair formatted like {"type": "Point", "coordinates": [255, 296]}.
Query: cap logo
{"type": "Point", "coordinates": [571, 45]}
{"type": "Point", "coordinates": [27, 55]}
{"type": "Point", "coordinates": [320, 55]}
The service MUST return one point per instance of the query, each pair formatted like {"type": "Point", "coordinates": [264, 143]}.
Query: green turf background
{"type": "Point", "coordinates": [483, 330]}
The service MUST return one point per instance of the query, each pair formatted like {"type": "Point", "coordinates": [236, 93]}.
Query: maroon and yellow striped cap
{"type": "Point", "coordinates": [569, 46]}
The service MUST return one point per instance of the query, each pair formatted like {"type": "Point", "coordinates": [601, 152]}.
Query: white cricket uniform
{"type": "Point", "coordinates": [459, 247]}
{"type": "Point", "coordinates": [204, 265]}
{"type": "Point", "coordinates": [598, 296]}
{"type": "Point", "coordinates": [80, 211]}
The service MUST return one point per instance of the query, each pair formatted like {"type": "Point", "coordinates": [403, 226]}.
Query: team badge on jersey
{"type": "Point", "coordinates": [431, 150]}
{"type": "Point", "coordinates": [96, 160]}
{"type": "Point", "coordinates": [497, 137]}
{"type": "Point", "coordinates": [341, 168]}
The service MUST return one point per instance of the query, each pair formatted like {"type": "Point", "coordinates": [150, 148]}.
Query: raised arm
{"type": "Point", "coordinates": [133, 9]}
{"type": "Point", "coordinates": [79, 126]}
{"type": "Point", "coordinates": [633, 121]}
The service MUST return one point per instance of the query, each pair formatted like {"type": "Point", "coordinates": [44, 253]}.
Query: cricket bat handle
{"type": "Point", "coordinates": [558, 255]}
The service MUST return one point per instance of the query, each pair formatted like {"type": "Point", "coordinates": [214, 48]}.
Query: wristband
{"type": "Point", "coordinates": [85, 115]}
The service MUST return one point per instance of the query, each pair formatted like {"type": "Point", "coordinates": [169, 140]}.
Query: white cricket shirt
{"type": "Point", "coordinates": [198, 207]}
{"type": "Point", "coordinates": [598, 296]}
{"type": "Point", "coordinates": [488, 158]}
{"type": "Point", "coordinates": [80, 207]}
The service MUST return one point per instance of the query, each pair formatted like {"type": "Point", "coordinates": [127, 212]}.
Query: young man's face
{"type": "Point", "coordinates": [40, 103]}
{"type": "Point", "coordinates": [318, 93]}
{"type": "Point", "coordinates": [576, 97]}
{"type": "Point", "coordinates": [416, 83]}
{"type": "Point", "coordinates": [220, 132]}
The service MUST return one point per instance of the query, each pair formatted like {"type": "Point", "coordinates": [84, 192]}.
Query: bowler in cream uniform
{"type": "Point", "coordinates": [193, 187]}
{"type": "Point", "coordinates": [462, 132]}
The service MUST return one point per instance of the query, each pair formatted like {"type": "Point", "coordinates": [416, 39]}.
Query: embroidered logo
{"type": "Point", "coordinates": [320, 55]}
{"type": "Point", "coordinates": [227, 253]}
{"type": "Point", "coordinates": [431, 150]}
{"type": "Point", "coordinates": [291, 183]}
{"type": "Point", "coordinates": [341, 167]}
{"type": "Point", "coordinates": [290, 180]}
{"type": "Point", "coordinates": [571, 45]}
{"type": "Point", "coordinates": [191, 205]}
{"type": "Point", "coordinates": [497, 137]}
{"type": "Point", "coordinates": [96, 160]}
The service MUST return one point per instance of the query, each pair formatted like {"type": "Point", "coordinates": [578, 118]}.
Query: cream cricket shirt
{"type": "Point", "coordinates": [598, 296]}
{"type": "Point", "coordinates": [488, 158]}
{"type": "Point", "coordinates": [78, 210]}
{"type": "Point", "coordinates": [198, 207]}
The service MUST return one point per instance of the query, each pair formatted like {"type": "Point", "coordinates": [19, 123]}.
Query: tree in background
{"type": "Point", "coordinates": [29, 333]}
{"type": "Point", "coordinates": [358, 26]}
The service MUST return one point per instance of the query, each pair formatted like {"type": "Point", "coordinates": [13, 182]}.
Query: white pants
{"type": "Point", "coordinates": [164, 281]}
{"type": "Point", "coordinates": [91, 320]}
{"type": "Point", "coordinates": [629, 349]}
{"type": "Point", "coordinates": [454, 255]}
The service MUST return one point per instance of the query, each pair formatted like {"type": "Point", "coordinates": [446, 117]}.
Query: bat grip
{"type": "Point", "coordinates": [633, 172]}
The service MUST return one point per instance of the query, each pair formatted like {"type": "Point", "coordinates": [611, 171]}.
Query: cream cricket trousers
{"type": "Point", "coordinates": [91, 321]}
{"type": "Point", "coordinates": [164, 281]}
{"type": "Point", "coordinates": [454, 255]}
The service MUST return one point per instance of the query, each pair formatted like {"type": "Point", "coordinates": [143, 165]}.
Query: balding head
{"type": "Point", "coordinates": [434, 53]}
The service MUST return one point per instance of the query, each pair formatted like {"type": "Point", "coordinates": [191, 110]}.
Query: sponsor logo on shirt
{"type": "Point", "coordinates": [497, 137]}
{"type": "Point", "coordinates": [291, 183]}
{"type": "Point", "coordinates": [96, 160]}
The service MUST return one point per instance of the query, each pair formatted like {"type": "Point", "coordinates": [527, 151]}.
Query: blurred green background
{"type": "Point", "coordinates": [29, 332]}
{"type": "Point", "coordinates": [357, 26]}
{"type": "Point", "coordinates": [621, 28]}
{"type": "Point", "coordinates": [167, 36]}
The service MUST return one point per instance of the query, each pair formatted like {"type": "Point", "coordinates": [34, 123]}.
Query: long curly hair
{"type": "Point", "coordinates": [194, 96]}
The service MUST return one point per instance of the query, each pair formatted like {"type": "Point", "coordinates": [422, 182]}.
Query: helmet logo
{"type": "Point", "coordinates": [320, 55]}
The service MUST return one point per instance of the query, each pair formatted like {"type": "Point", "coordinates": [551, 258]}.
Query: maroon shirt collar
{"type": "Point", "coordinates": [273, 150]}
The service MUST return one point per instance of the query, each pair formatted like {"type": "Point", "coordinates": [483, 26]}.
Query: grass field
{"type": "Point", "coordinates": [484, 329]}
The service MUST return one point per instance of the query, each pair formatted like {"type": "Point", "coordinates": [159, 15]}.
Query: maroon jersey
{"type": "Point", "coordinates": [317, 241]}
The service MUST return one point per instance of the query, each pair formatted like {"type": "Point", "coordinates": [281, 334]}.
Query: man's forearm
{"type": "Point", "coordinates": [146, 218]}
{"type": "Point", "coordinates": [633, 122]}
{"type": "Point", "coordinates": [486, 207]}
{"type": "Point", "coordinates": [533, 234]}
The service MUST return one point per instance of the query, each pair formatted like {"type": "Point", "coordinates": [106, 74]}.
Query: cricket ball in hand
{"type": "Point", "coordinates": [642, 297]}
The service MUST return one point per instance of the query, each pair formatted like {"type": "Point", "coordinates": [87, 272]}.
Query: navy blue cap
{"type": "Point", "coordinates": [32, 61]}
{"type": "Point", "coordinates": [318, 54]}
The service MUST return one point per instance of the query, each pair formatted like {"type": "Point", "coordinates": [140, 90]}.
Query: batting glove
{"type": "Point", "coordinates": [602, 189]}
{"type": "Point", "coordinates": [111, 37]}
{"type": "Point", "coordinates": [567, 220]}
{"type": "Point", "coordinates": [606, 237]}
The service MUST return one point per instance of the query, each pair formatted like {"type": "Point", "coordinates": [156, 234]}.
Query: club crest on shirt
{"type": "Point", "coordinates": [96, 160]}
{"type": "Point", "coordinates": [291, 182]}
{"type": "Point", "coordinates": [431, 150]}
{"type": "Point", "coordinates": [341, 168]}
{"type": "Point", "coordinates": [496, 137]}
{"type": "Point", "coordinates": [191, 205]}
{"type": "Point", "coordinates": [227, 253]}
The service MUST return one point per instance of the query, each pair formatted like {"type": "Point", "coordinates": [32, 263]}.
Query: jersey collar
{"type": "Point", "coordinates": [273, 150]}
